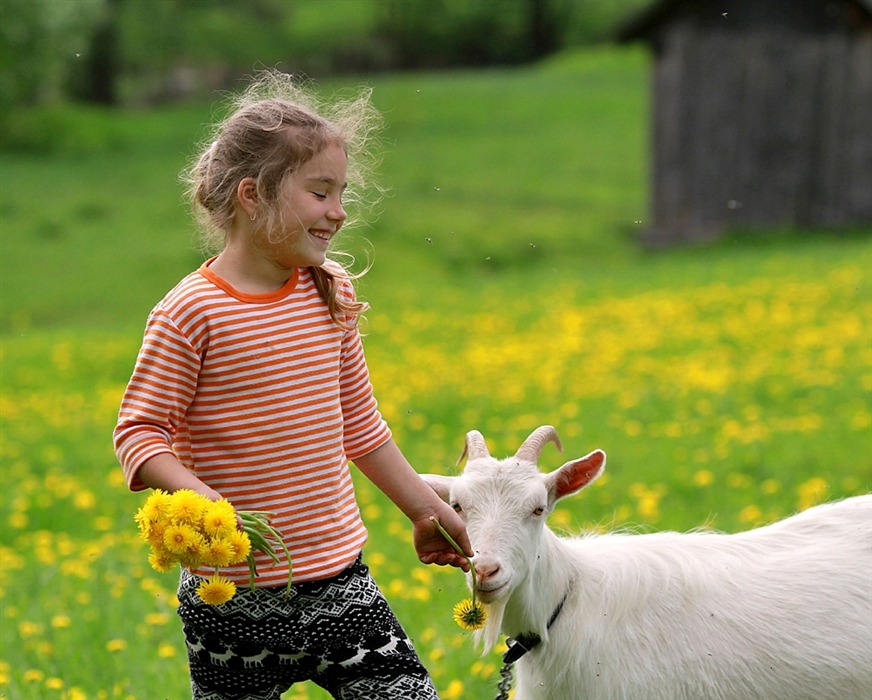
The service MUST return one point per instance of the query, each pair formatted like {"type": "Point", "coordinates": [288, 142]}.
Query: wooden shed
{"type": "Point", "coordinates": [761, 114]}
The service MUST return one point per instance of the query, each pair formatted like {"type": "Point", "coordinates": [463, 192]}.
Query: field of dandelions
{"type": "Point", "coordinates": [730, 386]}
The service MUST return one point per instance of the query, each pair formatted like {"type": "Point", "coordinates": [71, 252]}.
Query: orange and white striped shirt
{"type": "Point", "coordinates": [265, 399]}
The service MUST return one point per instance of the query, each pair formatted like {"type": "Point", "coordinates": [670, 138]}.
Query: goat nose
{"type": "Point", "coordinates": [485, 571]}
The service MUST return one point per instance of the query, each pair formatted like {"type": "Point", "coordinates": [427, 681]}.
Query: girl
{"type": "Point", "coordinates": [251, 385]}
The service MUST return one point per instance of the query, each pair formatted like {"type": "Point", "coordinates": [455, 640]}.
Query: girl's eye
{"type": "Point", "coordinates": [457, 508]}
{"type": "Point", "coordinates": [320, 195]}
{"type": "Point", "coordinates": [538, 511]}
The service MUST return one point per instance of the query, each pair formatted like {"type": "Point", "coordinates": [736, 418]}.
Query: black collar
{"type": "Point", "coordinates": [529, 640]}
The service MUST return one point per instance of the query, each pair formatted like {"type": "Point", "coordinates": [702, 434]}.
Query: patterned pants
{"type": "Point", "coordinates": [338, 632]}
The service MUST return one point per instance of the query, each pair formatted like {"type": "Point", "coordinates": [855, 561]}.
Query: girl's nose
{"type": "Point", "coordinates": [337, 213]}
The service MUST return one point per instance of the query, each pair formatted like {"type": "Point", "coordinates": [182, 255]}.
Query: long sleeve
{"type": "Point", "coordinates": [160, 390]}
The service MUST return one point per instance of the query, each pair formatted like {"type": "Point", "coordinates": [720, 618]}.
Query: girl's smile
{"type": "Point", "coordinates": [262, 251]}
{"type": "Point", "coordinates": [310, 211]}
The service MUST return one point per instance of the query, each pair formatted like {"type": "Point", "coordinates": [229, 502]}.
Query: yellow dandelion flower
{"type": "Point", "coordinates": [61, 621]}
{"type": "Point", "coordinates": [454, 691]}
{"type": "Point", "coordinates": [750, 514]}
{"type": "Point", "coordinates": [704, 477]}
{"type": "Point", "coordinates": [219, 520]}
{"type": "Point", "coordinates": [144, 522]}
{"type": "Point", "coordinates": [216, 590]}
{"type": "Point", "coordinates": [219, 553]}
{"type": "Point", "coordinates": [156, 534]}
{"type": "Point", "coordinates": [179, 538]}
{"type": "Point", "coordinates": [241, 545]}
{"type": "Point", "coordinates": [157, 505]}
{"type": "Point", "coordinates": [114, 645]}
{"type": "Point", "coordinates": [162, 561]}
{"type": "Point", "coordinates": [196, 552]}
{"type": "Point", "coordinates": [33, 675]}
{"type": "Point", "coordinates": [470, 615]}
{"type": "Point", "coordinates": [187, 507]}
{"type": "Point", "coordinates": [166, 650]}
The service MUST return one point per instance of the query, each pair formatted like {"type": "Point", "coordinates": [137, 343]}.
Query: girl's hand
{"type": "Point", "coordinates": [433, 548]}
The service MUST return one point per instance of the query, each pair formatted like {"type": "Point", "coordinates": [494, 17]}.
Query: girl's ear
{"type": "Point", "coordinates": [246, 193]}
{"type": "Point", "coordinates": [575, 475]}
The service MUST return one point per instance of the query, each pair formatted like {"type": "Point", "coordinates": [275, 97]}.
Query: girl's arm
{"type": "Point", "coordinates": [165, 471]}
{"type": "Point", "coordinates": [388, 469]}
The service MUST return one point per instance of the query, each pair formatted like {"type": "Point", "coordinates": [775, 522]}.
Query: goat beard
{"type": "Point", "coordinates": [487, 637]}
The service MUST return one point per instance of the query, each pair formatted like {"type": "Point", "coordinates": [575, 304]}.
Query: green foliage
{"type": "Point", "coordinates": [39, 41]}
{"type": "Point", "coordinates": [61, 130]}
{"type": "Point", "coordinates": [170, 49]}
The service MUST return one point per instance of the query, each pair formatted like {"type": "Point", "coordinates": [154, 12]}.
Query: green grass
{"type": "Point", "coordinates": [729, 384]}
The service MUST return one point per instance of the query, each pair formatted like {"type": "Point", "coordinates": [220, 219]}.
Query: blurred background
{"type": "Point", "coordinates": [646, 222]}
{"type": "Point", "coordinates": [142, 52]}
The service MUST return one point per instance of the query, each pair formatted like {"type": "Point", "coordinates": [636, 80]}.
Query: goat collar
{"type": "Point", "coordinates": [530, 640]}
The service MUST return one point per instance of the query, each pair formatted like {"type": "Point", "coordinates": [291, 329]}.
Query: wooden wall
{"type": "Point", "coordinates": [766, 126]}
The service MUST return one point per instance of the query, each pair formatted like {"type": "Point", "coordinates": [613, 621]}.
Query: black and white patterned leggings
{"type": "Point", "coordinates": [338, 632]}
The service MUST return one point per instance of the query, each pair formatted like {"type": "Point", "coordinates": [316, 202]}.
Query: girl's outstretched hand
{"type": "Point", "coordinates": [433, 548]}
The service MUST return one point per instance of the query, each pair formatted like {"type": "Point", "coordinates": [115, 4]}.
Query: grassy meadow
{"type": "Point", "coordinates": [730, 385]}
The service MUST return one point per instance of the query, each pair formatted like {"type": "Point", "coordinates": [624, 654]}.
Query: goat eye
{"type": "Point", "coordinates": [539, 510]}
{"type": "Point", "coordinates": [457, 508]}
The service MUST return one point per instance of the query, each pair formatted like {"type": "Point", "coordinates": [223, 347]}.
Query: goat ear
{"type": "Point", "coordinates": [575, 475]}
{"type": "Point", "coordinates": [440, 484]}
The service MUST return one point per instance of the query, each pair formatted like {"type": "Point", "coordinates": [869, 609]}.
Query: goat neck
{"type": "Point", "coordinates": [531, 605]}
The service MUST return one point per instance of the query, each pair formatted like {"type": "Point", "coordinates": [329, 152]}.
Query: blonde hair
{"type": "Point", "coordinates": [274, 127]}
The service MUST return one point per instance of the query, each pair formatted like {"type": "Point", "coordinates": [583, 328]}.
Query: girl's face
{"type": "Point", "coordinates": [310, 208]}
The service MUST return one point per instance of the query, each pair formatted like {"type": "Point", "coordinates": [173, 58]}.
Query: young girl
{"type": "Point", "coordinates": [251, 385]}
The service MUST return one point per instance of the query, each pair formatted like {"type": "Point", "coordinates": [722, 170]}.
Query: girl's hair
{"type": "Point", "coordinates": [274, 127]}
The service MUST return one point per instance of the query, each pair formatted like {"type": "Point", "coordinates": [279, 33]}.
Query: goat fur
{"type": "Point", "coordinates": [779, 612]}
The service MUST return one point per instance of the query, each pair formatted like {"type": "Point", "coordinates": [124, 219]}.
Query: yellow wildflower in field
{"type": "Point", "coordinates": [61, 621]}
{"type": "Point", "coordinates": [703, 477]}
{"type": "Point", "coordinates": [453, 691]}
{"type": "Point", "coordinates": [114, 645]}
{"type": "Point", "coordinates": [812, 492]}
{"type": "Point", "coordinates": [750, 515]}
{"type": "Point", "coordinates": [166, 650]}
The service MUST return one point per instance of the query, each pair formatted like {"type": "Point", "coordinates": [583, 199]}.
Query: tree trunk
{"type": "Point", "coordinates": [103, 59]}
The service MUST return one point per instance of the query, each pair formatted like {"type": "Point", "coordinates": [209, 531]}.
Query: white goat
{"type": "Point", "coordinates": [783, 611]}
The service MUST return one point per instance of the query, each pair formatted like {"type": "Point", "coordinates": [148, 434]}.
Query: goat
{"type": "Point", "coordinates": [782, 611]}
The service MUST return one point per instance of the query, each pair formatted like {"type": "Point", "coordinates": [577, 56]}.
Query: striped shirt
{"type": "Point", "coordinates": [265, 399]}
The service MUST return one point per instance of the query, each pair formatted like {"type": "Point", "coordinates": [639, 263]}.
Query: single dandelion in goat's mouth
{"type": "Point", "coordinates": [469, 614]}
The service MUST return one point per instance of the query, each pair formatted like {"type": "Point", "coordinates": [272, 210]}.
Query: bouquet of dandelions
{"type": "Point", "coordinates": [469, 614]}
{"type": "Point", "coordinates": [189, 529]}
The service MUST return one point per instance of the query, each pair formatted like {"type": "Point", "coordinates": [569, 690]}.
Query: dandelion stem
{"type": "Point", "coordinates": [460, 552]}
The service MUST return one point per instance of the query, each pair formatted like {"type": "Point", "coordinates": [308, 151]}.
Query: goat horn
{"type": "Point", "coordinates": [475, 447]}
{"type": "Point", "coordinates": [533, 445]}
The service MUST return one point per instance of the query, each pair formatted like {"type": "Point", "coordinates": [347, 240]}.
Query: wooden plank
{"type": "Point", "coordinates": [858, 155]}
{"type": "Point", "coordinates": [827, 150]}
{"type": "Point", "coordinates": [669, 114]}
